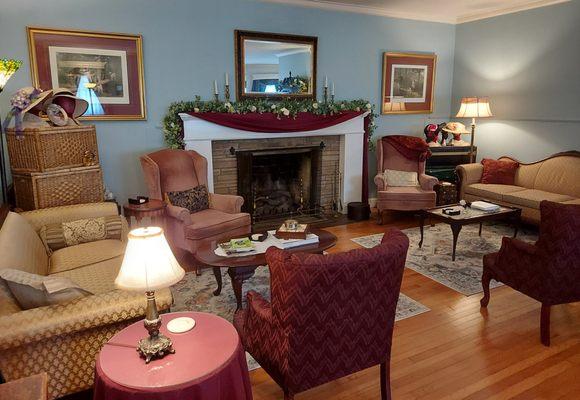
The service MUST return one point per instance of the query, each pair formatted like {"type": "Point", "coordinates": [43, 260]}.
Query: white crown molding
{"type": "Point", "coordinates": [360, 9]}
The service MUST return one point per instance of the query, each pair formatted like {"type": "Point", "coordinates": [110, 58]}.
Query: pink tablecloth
{"type": "Point", "coordinates": [209, 364]}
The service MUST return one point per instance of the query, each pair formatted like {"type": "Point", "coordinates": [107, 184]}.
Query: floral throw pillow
{"type": "Point", "coordinates": [58, 236]}
{"type": "Point", "coordinates": [196, 199]}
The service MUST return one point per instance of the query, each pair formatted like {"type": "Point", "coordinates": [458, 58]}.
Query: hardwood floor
{"type": "Point", "coordinates": [457, 351]}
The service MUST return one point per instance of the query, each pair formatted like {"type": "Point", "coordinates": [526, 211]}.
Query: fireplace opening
{"type": "Point", "coordinates": [277, 183]}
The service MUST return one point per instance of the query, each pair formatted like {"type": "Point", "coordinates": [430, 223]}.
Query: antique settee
{"type": "Point", "coordinates": [63, 340]}
{"type": "Point", "coordinates": [554, 179]}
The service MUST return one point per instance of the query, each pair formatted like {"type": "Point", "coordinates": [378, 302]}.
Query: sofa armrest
{"type": "Point", "coordinates": [54, 215]}
{"type": "Point", "coordinates": [516, 257]}
{"type": "Point", "coordinates": [380, 181]}
{"type": "Point", "coordinates": [179, 213]}
{"type": "Point", "coordinates": [89, 312]}
{"type": "Point", "coordinates": [427, 182]}
{"type": "Point", "coordinates": [468, 174]}
{"type": "Point", "coordinates": [228, 203]}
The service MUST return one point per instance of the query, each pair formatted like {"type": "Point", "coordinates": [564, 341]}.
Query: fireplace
{"type": "Point", "coordinates": [280, 182]}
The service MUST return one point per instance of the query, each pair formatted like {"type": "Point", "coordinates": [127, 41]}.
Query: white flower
{"type": "Point", "coordinates": [342, 105]}
{"type": "Point", "coordinates": [253, 108]}
{"type": "Point", "coordinates": [273, 107]}
{"type": "Point", "coordinates": [285, 111]}
{"type": "Point", "coordinates": [228, 104]}
{"type": "Point", "coordinates": [358, 108]}
{"type": "Point", "coordinates": [196, 109]}
{"type": "Point", "coordinates": [315, 105]}
{"type": "Point", "coordinates": [369, 106]}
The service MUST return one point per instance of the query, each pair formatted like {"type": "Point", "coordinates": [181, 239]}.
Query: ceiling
{"type": "Point", "coordinates": [447, 11]}
{"type": "Point", "coordinates": [264, 52]}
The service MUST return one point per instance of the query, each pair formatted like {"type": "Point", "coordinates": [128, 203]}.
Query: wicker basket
{"type": "Point", "coordinates": [52, 148]}
{"type": "Point", "coordinates": [65, 187]}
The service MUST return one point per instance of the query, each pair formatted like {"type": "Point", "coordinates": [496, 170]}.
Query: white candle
{"type": "Point", "coordinates": [332, 91]}
{"type": "Point", "coordinates": [227, 80]}
{"type": "Point", "coordinates": [325, 81]}
{"type": "Point", "coordinates": [215, 88]}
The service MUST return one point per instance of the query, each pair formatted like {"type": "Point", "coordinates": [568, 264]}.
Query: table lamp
{"type": "Point", "coordinates": [474, 107]}
{"type": "Point", "coordinates": [7, 68]}
{"type": "Point", "coordinates": [150, 265]}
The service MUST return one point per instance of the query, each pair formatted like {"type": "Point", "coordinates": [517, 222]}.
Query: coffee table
{"type": "Point", "coordinates": [241, 268]}
{"type": "Point", "coordinates": [467, 217]}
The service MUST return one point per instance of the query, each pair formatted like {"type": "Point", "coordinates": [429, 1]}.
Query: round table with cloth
{"type": "Point", "coordinates": [209, 364]}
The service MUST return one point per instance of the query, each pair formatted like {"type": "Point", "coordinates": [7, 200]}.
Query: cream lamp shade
{"type": "Point", "coordinates": [474, 107]}
{"type": "Point", "coordinates": [149, 263]}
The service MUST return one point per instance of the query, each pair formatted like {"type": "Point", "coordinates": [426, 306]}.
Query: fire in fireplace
{"type": "Point", "coordinates": [277, 183]}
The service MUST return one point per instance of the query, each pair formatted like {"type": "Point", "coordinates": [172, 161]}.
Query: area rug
{"type": "Point", "coordinates": [434, 259]}
{"type": "Point", "coordinates": [195, 293]}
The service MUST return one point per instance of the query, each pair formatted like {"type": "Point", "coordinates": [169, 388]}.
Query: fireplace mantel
{"type": "Point", "coordinates": [199, 135]}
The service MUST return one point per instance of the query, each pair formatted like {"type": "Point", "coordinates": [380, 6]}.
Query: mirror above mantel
{"type": "Point", "coordinates": [275, 66]}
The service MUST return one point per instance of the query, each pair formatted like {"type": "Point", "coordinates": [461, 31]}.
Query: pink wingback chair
{"type": "Point", "coordinates": [330, 315]}
{"type": "Point", "coordinates": [401, 198]}
{"type": "Point", "coordinates": [175, 170]}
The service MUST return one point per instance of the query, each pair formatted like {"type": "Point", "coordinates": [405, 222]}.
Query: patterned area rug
{"type": "Point", "coordinates": [195, 293]}
{"type": "Point", "coordinates": [434, 259]}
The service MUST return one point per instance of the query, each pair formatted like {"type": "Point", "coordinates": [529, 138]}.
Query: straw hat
{"type": "Point", "coordinates": [74, 106]}
{"type": "Point", "coordinates": [455, 127]}
{"type": "Point", "coordinates": [36, 103]}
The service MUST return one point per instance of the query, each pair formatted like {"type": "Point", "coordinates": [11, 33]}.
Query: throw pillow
{"type": "Point", "coordinates": [32, 291]}
{"type": "Point", "coordinates": [401, 178]}
{"type": "Point", "coordinates": [500, 172]}
{"type": "Point", "coordinates": [65, 234]}
{"type": "Point", "coordinates": [196, 199]}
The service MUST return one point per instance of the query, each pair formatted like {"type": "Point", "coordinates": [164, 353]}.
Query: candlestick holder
{"type": "Point", "coordinates": [325, 94]}
{"type": "Point", "coordinates": [216, 97]}
{"type": "Point", "coordinates": [227, 93]}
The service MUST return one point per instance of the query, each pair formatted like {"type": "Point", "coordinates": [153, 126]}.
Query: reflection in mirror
{"type": "Point", "coordinates": [275, 65]}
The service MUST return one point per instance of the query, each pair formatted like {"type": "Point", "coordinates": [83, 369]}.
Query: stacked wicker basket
{"type": "Point", "coordinates": [55, 166]}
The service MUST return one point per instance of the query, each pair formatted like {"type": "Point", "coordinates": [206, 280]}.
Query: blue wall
{"type": "Point", "coordinates": [188, 44]}
{"type": "Point", "coordinates": [528, 64]}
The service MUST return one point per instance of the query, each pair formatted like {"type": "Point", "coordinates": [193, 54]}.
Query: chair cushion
{"type": "Point", "coordinates": [491, 191]}
{"type": "Point", "coordinates": [97, 278]}
{"type": "Point", "coordinates": [85, 254]}
{"type": "Point", "coordinates": [210, 222]}
{"type": "Point", "coordinates": [500, 172]}
{"type": "Point", "coordinates": [32, 290]}
{"type": "Point", "coordinates": [532, 197]}
{"type": "Point", "coordinates": [406, 193]}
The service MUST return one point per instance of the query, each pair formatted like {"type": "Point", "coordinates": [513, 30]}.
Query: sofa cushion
{"type": "Point", "coordinates": [211, 222]}
{"type": "Point", "coordinates": [32, 290]}
{"type": "Point", "coordinates": [8, 303]}
{"type": "Point", "coordinates": [501, 172]}
{"type": "Point", "coordinates": [65, 234]}
{"type": "Point", "coordinates": [532, 197]}
{"type": "Point", "coordinates": [21, 247]}
{"type": "Point", "coordinates": [559, 175]}
{"type": "Point", "coordinates": [491, 191]}
{"type": "Point", "coordinates": [574, 201]}
{"type": "Point", "coordinates": [85, 254]}
{"type": "Point", "coordinates": [97, 278]}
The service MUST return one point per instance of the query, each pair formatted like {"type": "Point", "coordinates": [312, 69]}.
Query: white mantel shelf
{"type": "Point", "coordinates": [199, 135]}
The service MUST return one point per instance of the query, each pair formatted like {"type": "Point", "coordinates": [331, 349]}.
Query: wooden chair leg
{"type": "Point", "coordinates": [379, 217]}
{"type": "Point", "coordinates": [385, 381]}
{"type": "Point", "coordinates": [545, 325]}
{"type": "Point", "coordinates": [485, 281]}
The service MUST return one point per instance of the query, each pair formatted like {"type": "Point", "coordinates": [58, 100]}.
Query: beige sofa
{"type": "Point", "coordinates": [556, 178]}
{"type": "Point", "coordinates": [64, 339]}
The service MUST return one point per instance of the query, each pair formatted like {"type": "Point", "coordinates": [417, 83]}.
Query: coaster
{"type": "Point", "coordinates": [180, 325]}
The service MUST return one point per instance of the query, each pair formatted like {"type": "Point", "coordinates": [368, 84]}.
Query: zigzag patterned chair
{"type": "Point", "coordinates": [330, 315]}
{"type": "Point", "coordinates": [547, 271]}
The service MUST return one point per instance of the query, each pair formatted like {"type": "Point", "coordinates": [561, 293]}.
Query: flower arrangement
{"type": "Point", "coordinates": [286, 108]}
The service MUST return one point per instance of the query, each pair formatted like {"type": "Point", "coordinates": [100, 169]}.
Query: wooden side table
{"type": "Point", "coordinates": [34, 387]}
{"type": "Point", "coordinates": [154, 209]}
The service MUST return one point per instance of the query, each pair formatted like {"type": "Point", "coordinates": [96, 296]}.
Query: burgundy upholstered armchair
{"type": "Point", "coordinates": [175, 170]}
{"type": "Point", "coordinates": [547, 271]}
{"type": "Point", "coordinates": [330, 315]}
{"type": "Point", "coordinates": [403, 198]}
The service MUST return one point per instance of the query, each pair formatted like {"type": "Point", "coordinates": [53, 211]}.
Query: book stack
{"type": "Point", "coordinates": [238, 246]}
{"type": "Point", "coordinates": [484, 206]}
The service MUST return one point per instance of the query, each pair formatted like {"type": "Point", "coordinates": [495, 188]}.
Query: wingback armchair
{"type": "Point", "coordinates": [402, 198]}
{"type": "Point", "coordinates": [330, 315]}
{"type": "Point", "coordinates": [175, 170]}
{"type": "Point", "coordinates": [547, 271]}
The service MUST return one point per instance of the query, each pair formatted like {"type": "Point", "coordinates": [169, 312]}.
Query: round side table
{"type": "Point", "coordinates": [209, 364]}
{"type": "Point", "coordinates": [154, 209]}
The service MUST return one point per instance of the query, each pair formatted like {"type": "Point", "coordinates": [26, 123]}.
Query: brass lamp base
{"type": "Point", "coordinates": [156, 345]}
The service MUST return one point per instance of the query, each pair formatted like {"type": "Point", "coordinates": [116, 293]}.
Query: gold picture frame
{"type": "Point", "coordinates": [408, 83]}
{"type": "Point", "coordinates": [109, 64]}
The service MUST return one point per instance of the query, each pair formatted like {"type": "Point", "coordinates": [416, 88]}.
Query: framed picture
{"type": "Point", "coordinates": [408, 83]}
{"type": "Point", "coordinates": [105, 69]}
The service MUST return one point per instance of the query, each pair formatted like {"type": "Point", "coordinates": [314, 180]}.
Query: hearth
{"type": "Point", "coordinates": [280, 182]}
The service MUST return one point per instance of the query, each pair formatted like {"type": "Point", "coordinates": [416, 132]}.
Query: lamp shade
{"type": "Point", "coordinates": [474, 107]}
{"type": "Point", "coordinates": [7, 68]}
{"type": "Point", "coordinates": [149, 263]}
